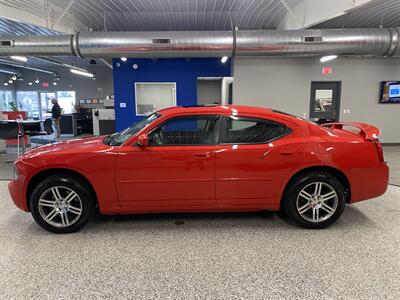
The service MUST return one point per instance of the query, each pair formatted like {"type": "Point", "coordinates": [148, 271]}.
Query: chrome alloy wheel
{"type": "Point", "coordinates": [60, 206]}
{"type": "Point", "coordinates": [317, 202]}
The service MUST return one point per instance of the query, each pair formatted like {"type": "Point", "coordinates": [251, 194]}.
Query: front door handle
{"type": "Point", "coordinates": [202, 155]}
{"type": "Point", "coordinates": [286, 153]}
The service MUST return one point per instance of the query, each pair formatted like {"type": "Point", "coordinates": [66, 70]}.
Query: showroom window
{"type": "Point", "coordinates": [153, 96]}
{"type": "Point", "coordinates": [29, 101]}
{"type": "Point", "coordinates": [66, 100]}
{"type": "Point", "coordinates": [5, 98]}
{"type": "Point", "coordinates": [242, 130]}
{"type": "Point", "coordinates": [195, 130]}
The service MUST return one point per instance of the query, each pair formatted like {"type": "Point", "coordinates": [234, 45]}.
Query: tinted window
{"type": "Point", "coordinates": [196, 130]}
{"type": "Point", "coordinates": [240, 130]}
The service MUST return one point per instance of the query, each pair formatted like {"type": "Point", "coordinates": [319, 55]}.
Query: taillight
{"type": "Point", "coordinates": [379, 149]}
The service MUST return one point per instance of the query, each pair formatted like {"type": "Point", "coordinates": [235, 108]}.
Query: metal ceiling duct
{"type": "Point", "coordinates": [374, 42]}
{"type": "Point", "coordinates": [377, 42]}
{"type": "Point", "coordinates": [154, 44]}
{"type": "Point", "coordinates": [36, 45]}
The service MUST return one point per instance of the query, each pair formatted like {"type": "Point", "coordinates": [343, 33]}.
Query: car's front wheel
{"type": "Point", "coordinates": [61, 204]}
{"type": "Point", "coordinates": [314, 200]}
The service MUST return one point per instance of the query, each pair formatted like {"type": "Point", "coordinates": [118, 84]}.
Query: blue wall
{"type": "Point", "coordinates": [182, 71]}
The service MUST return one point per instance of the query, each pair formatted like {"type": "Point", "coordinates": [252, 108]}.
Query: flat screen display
{"type": "Point", "coordinates": [390, 92]}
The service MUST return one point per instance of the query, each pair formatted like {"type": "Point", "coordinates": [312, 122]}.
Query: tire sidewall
{"type": "Point", "coordinates": [71, 183]}
{"type": "Point", "coordinates": [298, 184]}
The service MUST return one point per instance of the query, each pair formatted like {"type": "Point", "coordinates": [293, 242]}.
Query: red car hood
{"type": "Point", "coordinates": [75, 145]}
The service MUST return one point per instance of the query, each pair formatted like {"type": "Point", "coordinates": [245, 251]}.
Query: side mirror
{"type": "Point", "coordinates": [143, 140]}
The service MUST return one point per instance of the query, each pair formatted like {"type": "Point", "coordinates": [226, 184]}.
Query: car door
{"type": "Point", "coordinates": [175, 171]}
{"type": "Point", "coordinates": [252, 159]}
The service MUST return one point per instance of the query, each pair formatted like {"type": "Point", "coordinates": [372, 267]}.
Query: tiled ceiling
{"type": "Point", "coordinates": [376, 13]}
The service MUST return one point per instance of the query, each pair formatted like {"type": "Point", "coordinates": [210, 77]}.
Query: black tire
{"type": "Point", "coordinates": [308, 181]}
{"type": "Point", "coordinates": [63, 183]}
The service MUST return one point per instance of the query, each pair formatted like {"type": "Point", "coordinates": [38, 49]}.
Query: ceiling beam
{"type": "Point", "coordinates": [17, 65]}
{"type": "Point", "coordinates": [310, 13]}
{"type": "Point", "coordinates": [63, 13]}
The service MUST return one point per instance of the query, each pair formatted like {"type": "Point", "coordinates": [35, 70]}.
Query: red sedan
{"type": "Point", "coordinates": [197, 159]}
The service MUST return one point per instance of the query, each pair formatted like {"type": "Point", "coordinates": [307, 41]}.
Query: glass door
{"type": "Point", "coordinates": [46, 105]}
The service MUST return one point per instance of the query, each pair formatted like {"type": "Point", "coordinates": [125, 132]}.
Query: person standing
{"type": "Point", "coordinates": [56, 115]}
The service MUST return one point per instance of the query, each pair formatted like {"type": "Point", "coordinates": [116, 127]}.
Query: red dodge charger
{"type": "Point", "coordinates": [197, 159]}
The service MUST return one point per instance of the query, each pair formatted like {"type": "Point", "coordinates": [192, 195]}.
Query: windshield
{"type": "Point", "coordinates": [119, 138]}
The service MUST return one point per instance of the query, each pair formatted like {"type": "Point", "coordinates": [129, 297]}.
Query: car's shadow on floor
{"type": "Point", "coordinates": [352, 217]}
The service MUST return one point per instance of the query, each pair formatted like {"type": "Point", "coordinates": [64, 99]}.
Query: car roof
{"type": "Point", "coordinates": [232, 110]}
{"type": "Point", "coordinates": [218, 109]}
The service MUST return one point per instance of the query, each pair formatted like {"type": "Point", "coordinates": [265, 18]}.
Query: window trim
{"type": "Point", "coordinates": [151, 83]}
{"type": "Point", "coordinates": [224, 125]}
{"type": "Point", "coordinates": [216, 131]}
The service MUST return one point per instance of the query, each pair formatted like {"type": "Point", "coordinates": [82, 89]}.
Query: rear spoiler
{"type": "Point", "coordinates": [369, 132]}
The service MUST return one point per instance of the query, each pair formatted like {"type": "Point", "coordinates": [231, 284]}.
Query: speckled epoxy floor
{"type": "Point", "coordinates": [224, 256]}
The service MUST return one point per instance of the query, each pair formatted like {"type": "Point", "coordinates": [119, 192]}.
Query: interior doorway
{"type": "Point", "coordinates": [209, 90]}
{"type": "Point", "coordinates": [325, 100]}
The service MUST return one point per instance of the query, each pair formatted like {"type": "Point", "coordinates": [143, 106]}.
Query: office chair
{"type": "Point", "coordinates": [9, 130]}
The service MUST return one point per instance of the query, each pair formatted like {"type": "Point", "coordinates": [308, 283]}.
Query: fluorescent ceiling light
{"type": "Point", "coordinates": [80, 72]}
{"type": "Point", "coordinates": [224, 59]}
{"type": "Point", "coordinates": [328, 58]}
{"type": "Point", "coordinates": [124, 59]}
{"type": "Point", "coordinates": [19, 58]}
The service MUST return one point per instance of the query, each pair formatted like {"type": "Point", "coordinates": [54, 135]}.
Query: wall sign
{"type": "Point", "coordinates": [327, 70]}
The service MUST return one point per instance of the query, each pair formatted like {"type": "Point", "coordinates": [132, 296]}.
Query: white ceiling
{"type": "Point", "coordinates": [373, 14]}
{"type": "Point", "coordinates": [156, 15]}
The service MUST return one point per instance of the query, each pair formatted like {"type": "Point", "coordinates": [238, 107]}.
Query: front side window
{"type": "Point", "coordinates": [119, 138]}
{"type": "Point", "coordinates": [193, 130]}
{"type": "Point", "coordinates": [243, 130]}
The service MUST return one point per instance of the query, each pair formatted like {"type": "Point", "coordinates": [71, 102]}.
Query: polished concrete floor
{"type": "Point", "coordinates": [209, 256]}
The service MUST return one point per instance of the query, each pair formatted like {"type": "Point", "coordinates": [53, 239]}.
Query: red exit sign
{"type": "Point", "coordinates": [45, 84]}
{"type": "Point", "coordinates": [326, 70]}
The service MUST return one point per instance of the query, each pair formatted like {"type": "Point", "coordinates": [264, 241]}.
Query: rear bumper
{"type": "Point", "coordinates": [16, 191]}
{"type": "Point", "coordinates": [368, 183]}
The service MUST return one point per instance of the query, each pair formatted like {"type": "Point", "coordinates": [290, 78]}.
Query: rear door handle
{"type": "Point", "coordinates": [202, 155]}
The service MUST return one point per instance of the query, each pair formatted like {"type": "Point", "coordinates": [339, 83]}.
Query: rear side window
{"type": "Point", "coordinates": [244, 130]}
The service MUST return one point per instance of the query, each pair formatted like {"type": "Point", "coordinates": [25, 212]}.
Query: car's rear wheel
{"type": "Point", "coordinates": [61, 204]}
{"type": "Point", "coordinates": [314, 200]}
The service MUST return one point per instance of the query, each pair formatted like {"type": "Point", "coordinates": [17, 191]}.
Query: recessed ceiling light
{"type": "Point", "coordinates": [224, 59]}
{"type": "Point", "coordinates": [54, 83]}
{"type": "Point", "coordinates": [328, 58]}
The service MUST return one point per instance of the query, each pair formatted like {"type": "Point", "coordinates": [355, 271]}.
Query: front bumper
{"type": "Point", "coordinates": [17, 195]}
